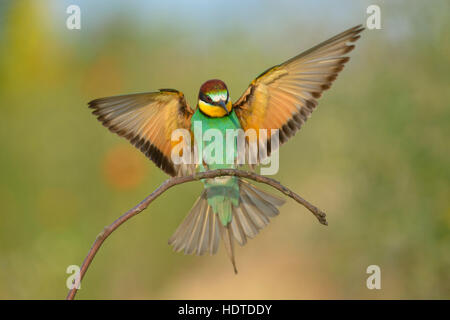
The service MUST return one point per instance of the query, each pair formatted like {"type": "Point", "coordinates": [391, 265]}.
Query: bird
{"type": "Point", "coordinates": [281, 98]}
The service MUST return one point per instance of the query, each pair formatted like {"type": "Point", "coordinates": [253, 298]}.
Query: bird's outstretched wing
{"type": "Point", "coordinates": [147, 120]}
{"type": "Point", "coordinates": [284, 96]}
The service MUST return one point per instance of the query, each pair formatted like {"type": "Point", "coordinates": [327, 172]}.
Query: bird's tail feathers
{"type": "Point", "coordinates": [201, 230]}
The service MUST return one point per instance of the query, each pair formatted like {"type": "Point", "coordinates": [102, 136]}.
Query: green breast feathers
{"type": "Point", "coordinates": [215, 138]}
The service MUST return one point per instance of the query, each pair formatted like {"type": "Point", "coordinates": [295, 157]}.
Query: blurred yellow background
{"type": "Point", "coordinates": [374, 154]}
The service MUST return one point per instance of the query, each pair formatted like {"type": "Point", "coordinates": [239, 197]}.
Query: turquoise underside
{"type": "Point", "coordinates": [224, 193]}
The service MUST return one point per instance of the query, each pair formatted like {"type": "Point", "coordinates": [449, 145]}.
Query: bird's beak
{"type": "Point", "coordinates": [224, 106]}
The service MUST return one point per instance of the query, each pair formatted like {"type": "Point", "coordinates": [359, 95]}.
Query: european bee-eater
{"type": "Point", "coordinates": [283, 98]}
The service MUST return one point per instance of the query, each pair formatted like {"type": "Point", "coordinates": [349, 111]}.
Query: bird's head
{"type": "Point", "coordinates": [214, 99]}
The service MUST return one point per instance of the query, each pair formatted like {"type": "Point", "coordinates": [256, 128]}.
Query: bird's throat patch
{"type": "Point", "coordinates": [212, 110]}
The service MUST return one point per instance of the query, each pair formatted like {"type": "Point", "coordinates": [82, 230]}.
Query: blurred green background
{"type": "Point", "coordinates": [375, 155]}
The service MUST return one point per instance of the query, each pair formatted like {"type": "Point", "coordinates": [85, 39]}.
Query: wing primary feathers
{"type": "Point", "coordinates": [284, 96]}
{"type": "Point", "coordinates": [147, 120]}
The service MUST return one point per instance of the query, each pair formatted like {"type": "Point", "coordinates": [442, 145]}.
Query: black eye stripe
{"type": "Point", "coordinates": [208, 99]}
{"type": "Point", "coordinates": [204, 97]}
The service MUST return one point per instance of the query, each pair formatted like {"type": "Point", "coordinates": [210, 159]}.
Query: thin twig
{"type": "Point", "coordinates": [320, 215]}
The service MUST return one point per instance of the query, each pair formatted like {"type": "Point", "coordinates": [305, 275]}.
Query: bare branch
{"type": "Point", "coordinates": [320, 215]}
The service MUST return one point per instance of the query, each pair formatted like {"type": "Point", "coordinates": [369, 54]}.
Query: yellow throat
{"type": "Point", "coordinates": [212, 110]}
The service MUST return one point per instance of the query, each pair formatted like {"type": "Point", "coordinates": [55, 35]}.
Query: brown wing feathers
{"type": "Point", "coordinates": [147, 121]}
{"type": "Point", "coordinates": [284, 96]}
